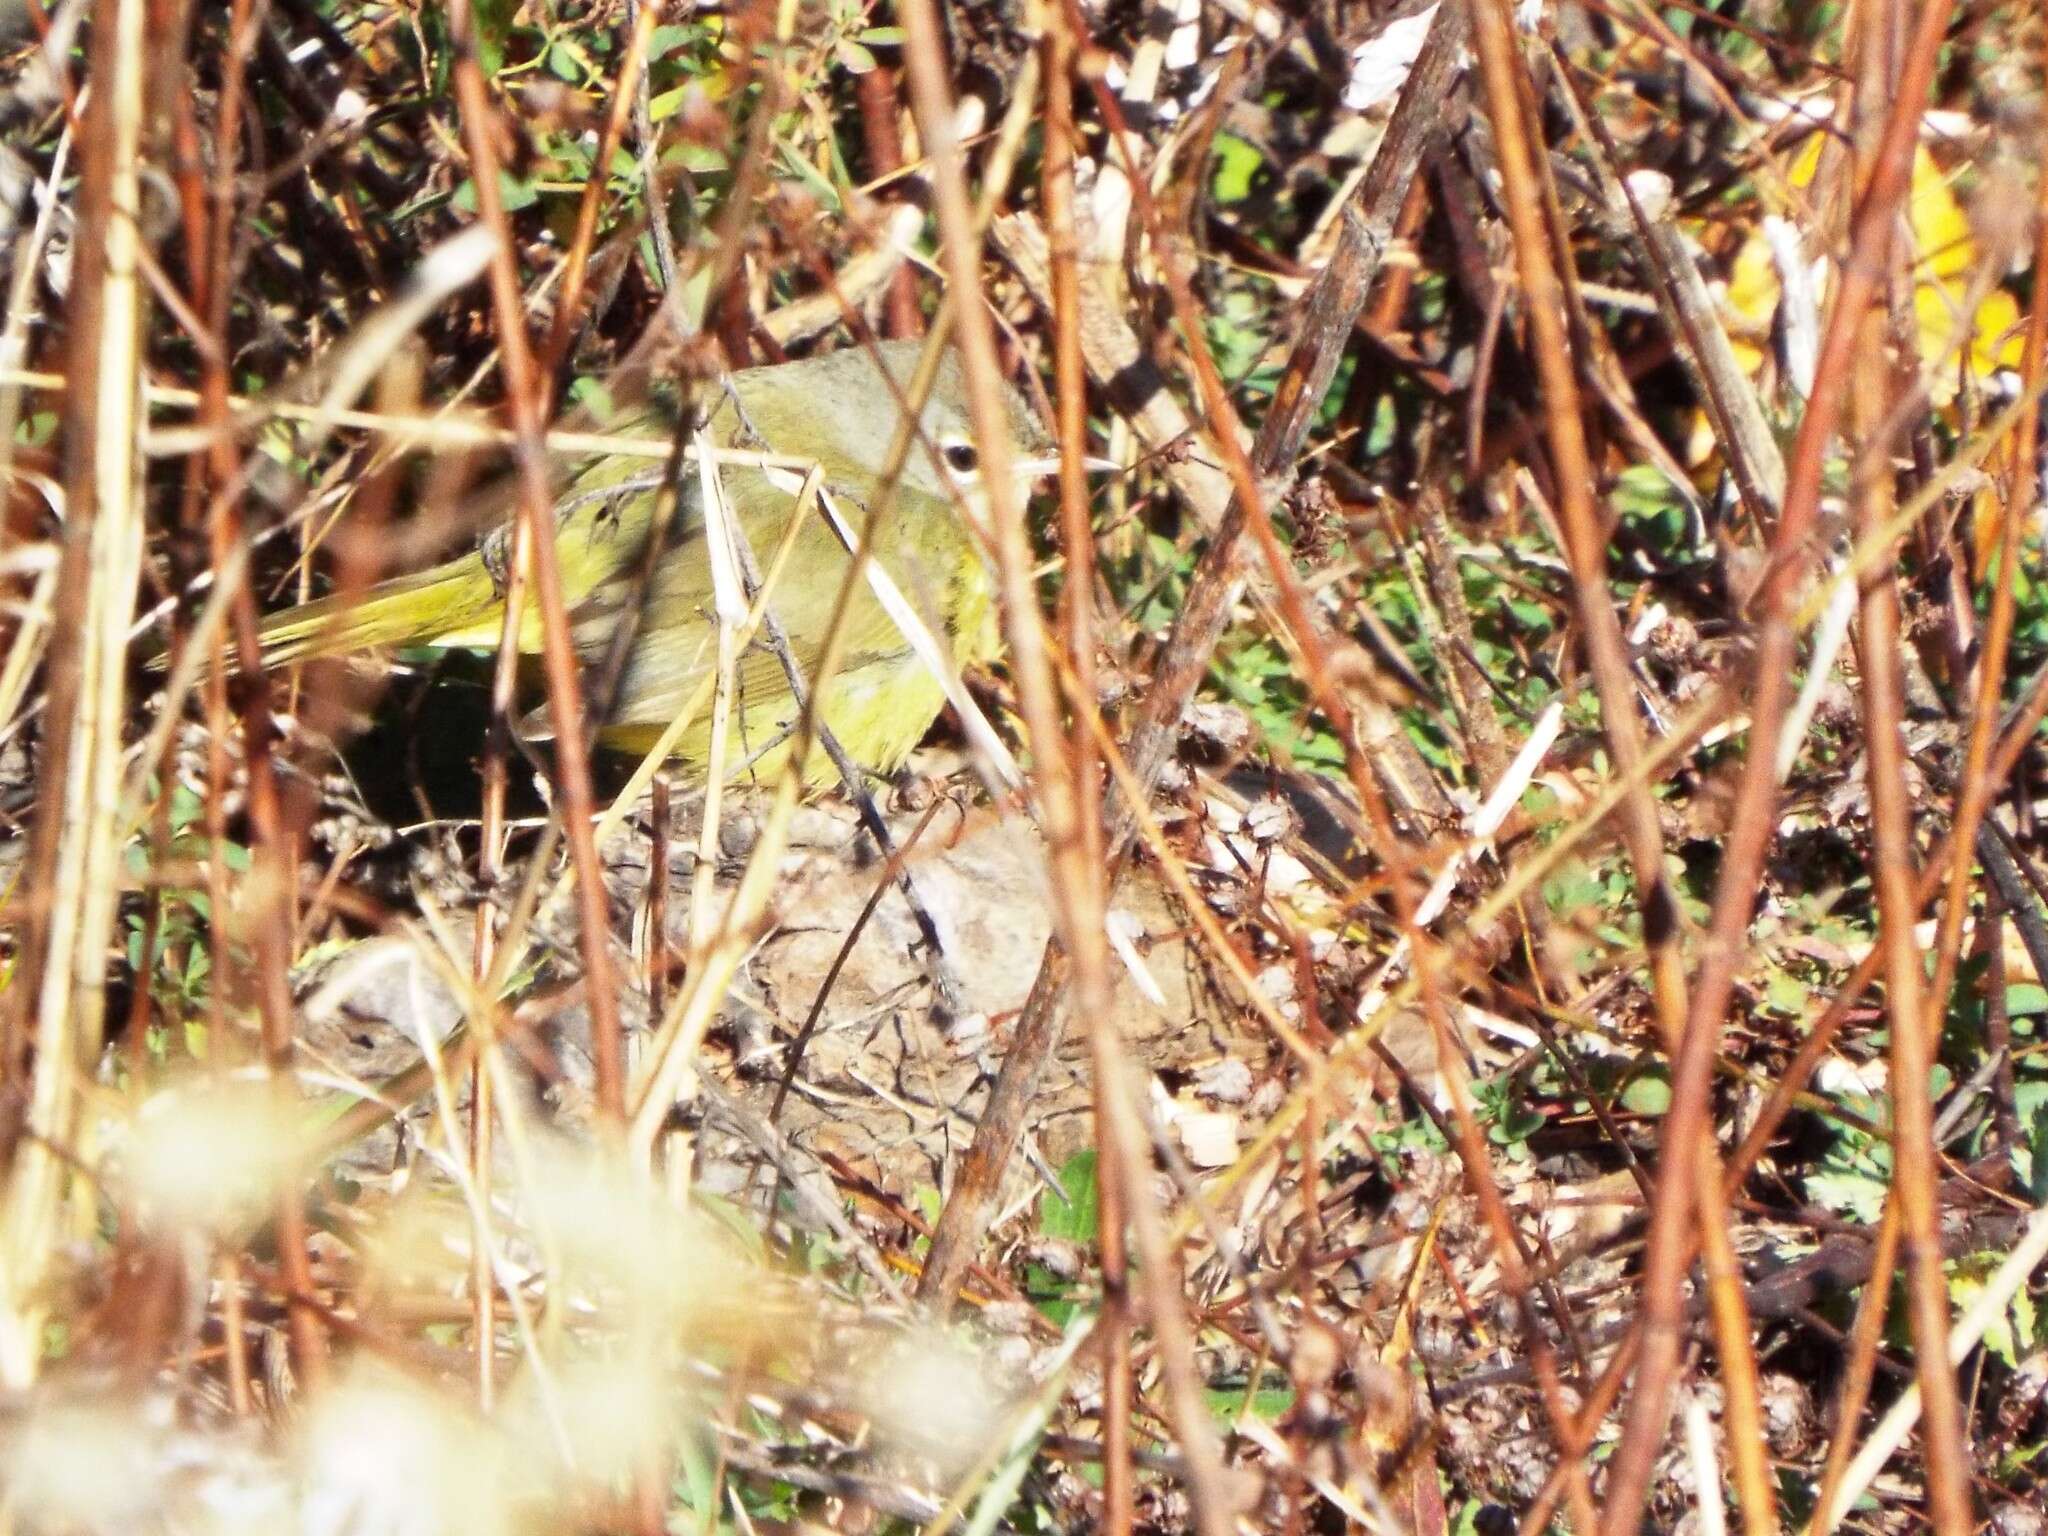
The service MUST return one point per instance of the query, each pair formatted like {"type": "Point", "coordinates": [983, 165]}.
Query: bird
{"type": "Point", "coordinates": [839, 411]}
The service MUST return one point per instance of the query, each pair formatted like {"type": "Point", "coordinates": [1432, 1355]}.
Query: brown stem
{"type": "Point", "coordinates": [1077, 598]}
{"type": "Point", "coordinates": [275, 861]}
{"type": "Point", "coordinates": [525, 398]}
{"type": "Point", "coordinates": [625, 92]}
{"type": "Point", "coordinates": [1697, 1174]}
{"type": "Point", "coordinates": [1913, 1032]}
{"type": "Point", "coordinates": [882, 134]}
{"type": "Point", "coordinates": [1754, 817]}
{"type": "Point", "coordinates": [1328, 315]}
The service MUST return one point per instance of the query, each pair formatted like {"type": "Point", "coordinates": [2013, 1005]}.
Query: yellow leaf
{"type": "Point", "coordinates": [1944, 261]}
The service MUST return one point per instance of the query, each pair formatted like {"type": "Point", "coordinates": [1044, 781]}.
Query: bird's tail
{"type": "Point", "coordinates": [429, 608]}
{"type": "Point", "coordinates": [438, 607]}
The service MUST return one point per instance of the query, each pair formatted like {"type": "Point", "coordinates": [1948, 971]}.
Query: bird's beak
{"type": "Point", "coordinates": [1049, 464]}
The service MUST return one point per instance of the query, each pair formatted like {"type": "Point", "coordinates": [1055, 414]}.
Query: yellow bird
{"type": "Point", "coordinates": [840, 412]}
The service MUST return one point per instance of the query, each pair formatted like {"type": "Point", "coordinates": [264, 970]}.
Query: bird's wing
{"type": "Point", "coordinates": [602, 521]}
{"type": "Point", "coordinates": [675, 648]}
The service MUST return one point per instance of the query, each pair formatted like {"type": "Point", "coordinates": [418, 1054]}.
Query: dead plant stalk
{"type": "Point", "coordinates": [1753, 818]}
{"type": "Point", "coordinates": [57, 998]}
{"type": "Point", "coordinates": [534, 548]}
{"type": "Point", "coordinates": [1585, 545]}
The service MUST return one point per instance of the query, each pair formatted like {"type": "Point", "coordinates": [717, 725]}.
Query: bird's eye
{"type": "Point", "coordinates": [961, 458]}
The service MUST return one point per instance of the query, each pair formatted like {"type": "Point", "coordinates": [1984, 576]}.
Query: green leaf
{"type": "Point", "coordinates": [1076, 1218]}
{"type": "Point", "coordinates": [697, 159]}
{"type": "Point", "coordinates": [564, 64]}
{"type": "Point", "coordinates": [1513, 1118]}
{"type": "Point", "coordinates": [2013, 1333]}
{"type": "Point", "coordinates": [1648, 1094]}
{"type": "Point", "coordinates": [37, 428]}
{"type": "Point", "coordinates": [669, 38]}
{"type": "Point", "coordinates": [513, 191]}
{"type": "Point", "coordinates": [1853, 1194]}
{"type": "Point", "coordinates": [2037, 1155]}
{"type": "Point", "coordinates": [1236, 164]}
{"type": "Point", "coordinates": [591, 394]}
{"type": "Point", "coordinates": [807, 175]}
{"type": "Point", "coordinates": [2025, 997]}
{"type": "Point", "coordinates": [493, 21]}
{"type": "Point", "coordinates": [1785, 994]}
{"type": "Point", "coordinates": [696, 1477]}
{"type": "Point", "coordinates": [741, 1226]}
{"type": "Point", "coordinates": [1267, 1403]}
{"type": "Point", "coordinates": [186, 807]}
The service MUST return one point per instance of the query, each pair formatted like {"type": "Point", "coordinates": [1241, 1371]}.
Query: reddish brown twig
{"type": "Point", "coordinates": [1585, 546]}
{"type": "Point", "coordinates": [1116, 1155]}
{"type": "Point", "coordinates": [1753, 819]}
{"type": "Point", "coordinates": [882, 134]}
{"type": "Point", "coordinates": [525, 399]}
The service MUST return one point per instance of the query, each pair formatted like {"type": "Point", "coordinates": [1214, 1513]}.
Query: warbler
{"type": "Point", "coordinates": [840, 412]}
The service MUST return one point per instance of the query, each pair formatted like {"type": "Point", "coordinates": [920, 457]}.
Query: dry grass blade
{"type": "Point", "coordinates": [56, 1009]}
